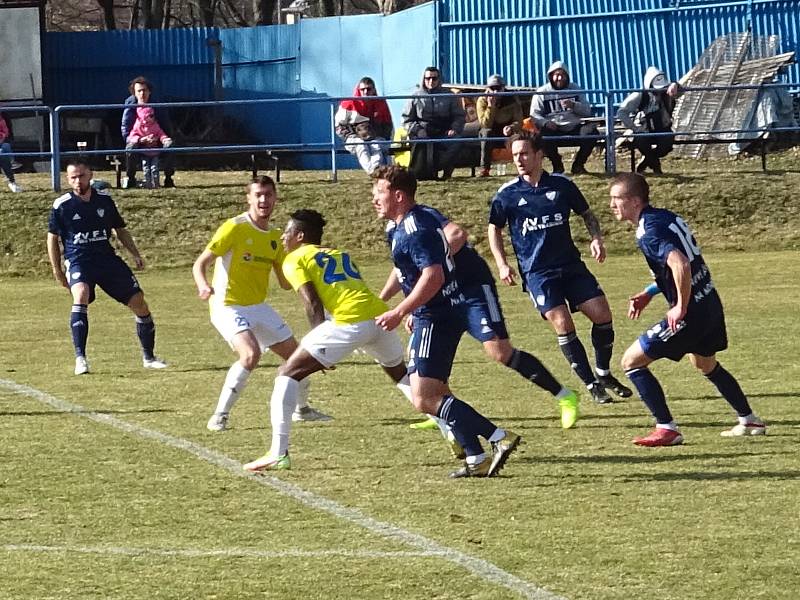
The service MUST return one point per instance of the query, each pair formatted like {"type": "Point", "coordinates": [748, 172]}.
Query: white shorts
{"type": "Point", "coordinates": [330, 343]}
{"type": "Point", "coordinates": [261, 319]}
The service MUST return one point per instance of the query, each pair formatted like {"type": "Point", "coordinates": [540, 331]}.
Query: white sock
{"type": "Point", "coordinates": [281, 405]}
{"type": "Point", "coordinates": [476, 459]}
{"type": "Point", "coordinates": [751, 418]}
{"type": "Point", "coordinates": [563, 393]}
{"type": "Point", "coordinates": [404, 385]}
{"type": "Point", "coordinates": [302, 394]}
{"type": "Point", "coordinates": [498, 435]}
{"type": "Point", "coordinates": [235, 382]}
{"type": "Point", "coordinates": [672, 426]}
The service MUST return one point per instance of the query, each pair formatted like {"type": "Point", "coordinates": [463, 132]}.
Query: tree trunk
{"type": "Point", "coordinates": [328, 8]}
{"type": "Point", "coordinates": [264, 12]}
{"type": "Point", "coordinates": [109, 21]}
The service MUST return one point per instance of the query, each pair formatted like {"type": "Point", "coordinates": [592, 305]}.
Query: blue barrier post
{"type": "Point", "coordinates": [334, 175]}
{"type": "Point", "coordinates": [55, 157]}
{"type": "Point", "coordinates": [611, 151]}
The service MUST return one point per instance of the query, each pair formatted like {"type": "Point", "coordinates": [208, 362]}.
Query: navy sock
{"type": "Point", "coordinates": [730, 390]}
{"type": "Point", "coordinates": [651, 394]}
{"type": "Point", "coordinates": [532, 369]}
{"type": "Point", "coordinates": [79, 326]}
{"type": "Point", "coordinates": [146, 330]}
{"type": "Point", "coordinates": [603, 342]}
{"type": "Point", "coordinates": [575, 354]}
{"type": "Point", "coordinates": [467, 424]}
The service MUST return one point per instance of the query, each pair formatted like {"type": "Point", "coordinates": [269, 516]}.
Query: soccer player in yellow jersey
{"type": "Point", "coordinates": [246, 250]}
{"type": "Point", "coordinates": [327, 280]}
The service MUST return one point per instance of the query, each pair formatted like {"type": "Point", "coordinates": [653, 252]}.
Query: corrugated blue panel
{"type": "Point", "coordinates": [136, 48]}
{"type": "Point", "coordinates": [602, 51]}
{"type": "Point", "coordinates": [259, 44]}
{"type": "Point", "coordinates": [171, 84]}
{"type": "Point", "coordinates": [95, 67]}
{"type": "Point", "coordinates": [783, 19]}
{"type": "Point", "coordinates": [461, 11]}
{"type": "Point", "coordinates": [404, 62]}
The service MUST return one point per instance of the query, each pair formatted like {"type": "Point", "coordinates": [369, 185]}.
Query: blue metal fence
{"type": "Point", "coordinates": [328, 143]}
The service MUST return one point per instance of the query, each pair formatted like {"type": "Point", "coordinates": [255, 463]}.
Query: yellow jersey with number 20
{"type": "Point", "coordinates": [336, 280]}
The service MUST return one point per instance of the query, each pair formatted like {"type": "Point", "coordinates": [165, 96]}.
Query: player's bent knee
{"type": "Point", "coordinates": [634, 358]}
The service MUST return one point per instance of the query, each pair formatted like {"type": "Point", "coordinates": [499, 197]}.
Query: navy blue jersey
{"type": "Point", "coordinates": [660, 232]}
{"type": "Point", "coordinates": [471, 269]}
{"type": "Point", "coordinates": [538, 219]}
{"type": "Point", "coordinates": [85, 227]}
{"type": "Point", "coordinates": [418, 242]}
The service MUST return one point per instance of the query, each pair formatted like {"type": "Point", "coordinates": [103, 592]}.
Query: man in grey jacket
{"type": "Point", "coordinates": [557, 109]}
{"type": "Point", "coordinates": [651, 112]}
{"type": "Point", "coordinates": [433, 112]}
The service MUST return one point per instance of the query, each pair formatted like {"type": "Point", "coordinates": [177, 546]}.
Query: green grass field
{"type": "Point", "coordinates": [112, 487]}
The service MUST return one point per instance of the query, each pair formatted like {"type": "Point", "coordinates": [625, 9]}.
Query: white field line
{"type": "Point", "coordinates": [476, 566]}
{"type": "Point", "coordinates": [224, 552]}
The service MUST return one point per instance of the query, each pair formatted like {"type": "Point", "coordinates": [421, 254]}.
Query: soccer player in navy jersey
{"type": "Point", "coordinates": [485, 318]}
{"type": "Point", "coordinates": [424, 269]}
{"type": "Point", "coordinates": [83, 221]}
{"type": "Point", "coordinates": [695, 322]}
{"type": "Point", "coordinates": [536, 207]}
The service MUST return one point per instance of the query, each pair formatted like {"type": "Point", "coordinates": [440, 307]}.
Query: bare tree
{"type": "Point", "coordinates": [109, 20]}
{"type": "Point", "coordinates": [264, 12]}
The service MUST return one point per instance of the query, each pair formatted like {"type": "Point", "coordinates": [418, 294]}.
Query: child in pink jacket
{"type": "Point", "coordinates": [5, 160]}
{"type": "Point", "coordinates": [147, 133]}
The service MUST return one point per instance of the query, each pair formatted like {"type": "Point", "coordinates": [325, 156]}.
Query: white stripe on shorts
{"type": "Point", "coordinates": [491, 301]}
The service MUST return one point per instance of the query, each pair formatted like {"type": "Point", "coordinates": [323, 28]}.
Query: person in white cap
{"type": "Point", "coordinates": [497, 115]}
{"type": "Point", "coordinates": [651, 112]}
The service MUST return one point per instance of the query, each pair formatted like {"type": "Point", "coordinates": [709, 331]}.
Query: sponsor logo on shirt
{"type": "Point", "coordinates": [541, 222]}
{"type": "Point", "coordinates": [89, 237]}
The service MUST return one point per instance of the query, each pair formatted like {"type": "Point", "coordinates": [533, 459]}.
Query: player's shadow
{"type": "Point", "coordinates": [628, 459]}
{"type": "Point", "coordinates": [709, 476]}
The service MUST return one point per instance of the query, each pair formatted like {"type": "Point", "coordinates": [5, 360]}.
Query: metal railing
{"type": "Point", "coordinates": [334, 144]}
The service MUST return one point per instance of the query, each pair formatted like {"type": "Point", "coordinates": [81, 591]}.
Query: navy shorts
{"type": "Point", "coordinates": [433, 344]}
{"type": "Point", "coordinates": [110, 272]}
{"type": "Point", "coordinates": [571, 285]}
{"type": "Point", "coordinates": [484, 315]}
{"type": "Point", "coordinates": [702, 335]}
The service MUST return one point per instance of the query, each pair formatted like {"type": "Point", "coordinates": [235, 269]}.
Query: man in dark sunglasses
{"type": "Point", "coordinates": [498, 116]}
{"type": "Point", "coordinates": [433, 112]}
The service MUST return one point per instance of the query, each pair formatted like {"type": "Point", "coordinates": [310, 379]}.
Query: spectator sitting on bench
{"type": "Point", "coordinates": [358, 121]}
{"type": "Point", "coordinates": [148, 135]}
{"type": "Point", "coordinates": [560, 114]}
{"type": "Point", "coordinates": [433, 112]}
{"type": "Point", "coordinates": [650, 112]}
{"type": "Point", "coordinates": [498, 116]}
{"type": "Point", "coordinates": [5, 160]}
{"type": "Point", "coordinates": [141, 90]}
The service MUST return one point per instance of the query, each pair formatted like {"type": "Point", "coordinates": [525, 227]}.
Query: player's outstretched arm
{"type": "Point", "coordinates": [282, 281]}
{"type": "Point", "coordinates": [199, 270]}
{"type": "Point", "coordinates": [596, 246]}
{"type": "Point", "coordinates": [430, 281]}
{"type": "Point", "coordinates": [312, 303]}
{"type": "Point", "coordinates": [638, 302]}
{"type": "Point", "coordinates": [391, 288]}
{"type": "Point", "coordinates": [126, 239]}
{"type": "Point", "coordinates": [456, 236]}
{"type": "Point", "coordinates": [505, 271]}
{"type": "Point", "coordinates": [54, 254]}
